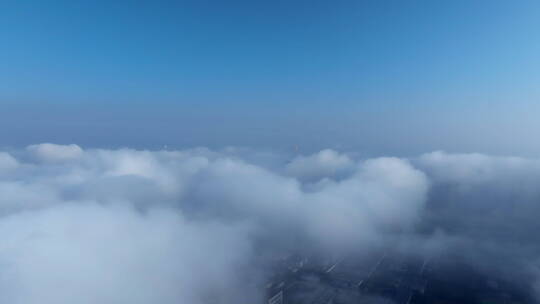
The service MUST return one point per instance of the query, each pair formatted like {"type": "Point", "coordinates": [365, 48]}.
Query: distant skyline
{"type": "Point", "coordinates": [377, 77]}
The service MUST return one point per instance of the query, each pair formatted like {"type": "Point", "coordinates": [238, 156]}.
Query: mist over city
{"type": "Point", "coordinates": [269, 152]}
{"type": "Point", "coordinates": [204, 226]}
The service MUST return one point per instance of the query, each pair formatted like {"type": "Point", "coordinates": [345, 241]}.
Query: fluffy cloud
{"type": "Point", "coordinates": [504, 190]}
{"type": "Point", "coordinates": [126, 226]}
{"type": "Point", "coordinates": [326, 163]}
{"type": "Point", "coordinates": [7, 162]}
{"type": "Point", "coordinates": [54, 153]}
{"type": "Point", "coordinates": [89, 253]}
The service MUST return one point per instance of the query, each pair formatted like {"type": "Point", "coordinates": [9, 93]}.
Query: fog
{"type": "Point", "coordinates": [130, 226]}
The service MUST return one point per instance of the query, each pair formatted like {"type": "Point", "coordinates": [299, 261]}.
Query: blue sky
{"type": "Point", "coordinates": [380, 77]}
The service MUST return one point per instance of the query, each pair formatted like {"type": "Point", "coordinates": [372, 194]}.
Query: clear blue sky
{"type": "Point", "coordinates": [392, 77]}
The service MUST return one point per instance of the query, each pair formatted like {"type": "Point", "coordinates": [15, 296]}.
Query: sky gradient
{"type": "Point", "coordinates": [378, 77]}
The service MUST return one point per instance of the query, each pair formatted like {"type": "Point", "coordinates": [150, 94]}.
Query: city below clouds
{"type": "Point", "coordinates": [193, 226]}
{"type": "Point", "coordinates": [279, 152]}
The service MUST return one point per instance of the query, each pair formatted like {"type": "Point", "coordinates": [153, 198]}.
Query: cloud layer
{"type": "Point", "coordinates": [127, 226]}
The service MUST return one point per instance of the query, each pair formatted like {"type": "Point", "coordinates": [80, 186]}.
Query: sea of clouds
{"type": "Point", "coordinates": [126, 226]}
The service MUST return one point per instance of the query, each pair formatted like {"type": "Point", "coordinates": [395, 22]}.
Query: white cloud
{"type": "Point", "coordinates": [54, 153]}
{"type": "Point", "coordinates": [88, 253]}
{"type": "Point", "coordinates": [475, 167]}
{"type": "Point", "coordinates": [7, 162]}
{"type": "Point", "coordinates": [326, 163]}
{"type": "Point", "coordinates": [127, 226]}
